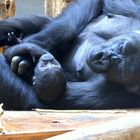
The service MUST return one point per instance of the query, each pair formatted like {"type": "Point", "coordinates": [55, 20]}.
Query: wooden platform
{"type": "Point", "coordinates": [73, 125]}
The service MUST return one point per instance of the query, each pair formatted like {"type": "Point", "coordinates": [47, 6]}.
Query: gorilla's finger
{"type": "Point", "coordinates": [13, 39]}
{"type": "Point", "coordinates": [23, 67]}
{"type": "Point", "coordinates": [24, 49]}
{"type": "Point", "coordinates": [15, 62]}
{"type": "Point", "coordinates": [16, 50]}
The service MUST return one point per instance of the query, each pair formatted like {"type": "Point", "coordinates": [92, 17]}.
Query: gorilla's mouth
{"type": "Point", "coordinates": [121, 73]}
{"type": "Point", "coordinates": [99, 66]}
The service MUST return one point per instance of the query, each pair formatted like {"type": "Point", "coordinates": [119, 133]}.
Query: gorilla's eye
{"type": "Point", "coordinates": [110, 15]}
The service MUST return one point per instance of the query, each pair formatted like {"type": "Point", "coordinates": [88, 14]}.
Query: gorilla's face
{"type": "Point", "coordinates": [48, 80]}
{"type": "Point", "coordinates": [46, 69]}
{"type": "Point", "coordinates": [119, 60]}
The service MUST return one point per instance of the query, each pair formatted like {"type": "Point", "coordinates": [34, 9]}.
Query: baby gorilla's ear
{"type": "Point", "coordinates": [49, 81]}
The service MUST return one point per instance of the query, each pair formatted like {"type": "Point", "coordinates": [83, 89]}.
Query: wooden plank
{"type": "Point", "coordinates": [54, 7]}
{"type": "Point", "coordinates": [47, 123]}
{"type": "Point", "coordinates": [125, 128]}
{"type": "Point", "coordinates": [7, 8]}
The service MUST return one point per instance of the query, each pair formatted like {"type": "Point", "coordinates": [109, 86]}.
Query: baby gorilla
{"type": "Point", "coordinates": [48, 81]}
{"type": "Point", "coordinates": [42, 71]}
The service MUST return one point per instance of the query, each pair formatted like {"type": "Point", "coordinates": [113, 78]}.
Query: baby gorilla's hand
{"type": "Point", "coordinates": [13, 39]}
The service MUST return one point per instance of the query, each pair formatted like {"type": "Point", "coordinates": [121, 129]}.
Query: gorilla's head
{"type": "Point", "coordinates": [119, 60]}
{"type": "Point", "coordinates": [49, 80]}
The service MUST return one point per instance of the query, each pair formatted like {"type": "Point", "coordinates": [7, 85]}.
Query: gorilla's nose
{"type": "Point", "coordinates": [98, 62]}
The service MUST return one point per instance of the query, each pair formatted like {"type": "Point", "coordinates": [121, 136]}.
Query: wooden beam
{"type": "Point", "coordinates": [41, 124]}
{"type": "Point", "coordinates": [54, 7]}
{"type": "Point", "coordinates": [7, 8]}
{"type": "Point", "coordinates": [125, 128]}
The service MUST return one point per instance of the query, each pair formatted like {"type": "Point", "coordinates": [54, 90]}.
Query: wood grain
{"type": "Point", "coordinates": [125, 128]}
{"type": "Point", "coordinates": [55, 7]}
{"type": "Point", "coordinates": [41, 124]}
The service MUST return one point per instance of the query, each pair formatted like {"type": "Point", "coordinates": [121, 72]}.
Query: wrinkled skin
{"type": "Point", "coordinates": [119, 61]}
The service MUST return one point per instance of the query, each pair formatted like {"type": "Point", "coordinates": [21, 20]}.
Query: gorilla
{"type": "Point", "coordinates": [86, 58]}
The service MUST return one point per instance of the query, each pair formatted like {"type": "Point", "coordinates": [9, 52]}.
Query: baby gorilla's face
{"type": "Point", "coordinates": [119, 60]}
{"type": "Point", "coordinates": [48, 80]}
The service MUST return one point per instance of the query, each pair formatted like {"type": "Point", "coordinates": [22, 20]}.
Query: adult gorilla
{"type": "Point", "coordinates": [96, 43]}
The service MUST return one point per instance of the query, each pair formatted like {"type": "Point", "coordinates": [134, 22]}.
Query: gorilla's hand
{"type": "Point", "coordinates": [12, 39]}
{"type": "Point", "coordinates": [23, 66]}
{"type": "Point", "coordinates": [24, 49]}
{"type": "Point", "coordinates": [23, 58]}
{"type": "Point", "coordinates": [7, 28]}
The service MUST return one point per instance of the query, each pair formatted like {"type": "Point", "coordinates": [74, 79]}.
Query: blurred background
{"type": "Point", "coordinates": [37, 7]}
{"type": "Point", "coordinates": [29, 7]}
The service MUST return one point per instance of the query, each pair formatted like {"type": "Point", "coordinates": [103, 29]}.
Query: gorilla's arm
{"type": "Point", "coordinates": [96, 94]}
{"type": "Point", "coordinates": [22, 25]}
{"type": "Point", "coordinates": [15, 93]}
{"type": "Point", "coordinates": [66, 26]}
{"type": "Point", "coordinates": [76, 17]}
{"type": "Point", "coordinates": [120, 7]}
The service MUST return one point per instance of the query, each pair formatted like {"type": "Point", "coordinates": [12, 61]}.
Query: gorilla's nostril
{"type": "Point", "coordinates": [99, 56]}
{"type": "Point", "coordinates": [98, 62]}
{"type": "Point", "coordinates": [115, 59]}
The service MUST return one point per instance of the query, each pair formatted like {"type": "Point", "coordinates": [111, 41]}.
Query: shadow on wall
{"type": "Point", "coordinates": [29, 7]}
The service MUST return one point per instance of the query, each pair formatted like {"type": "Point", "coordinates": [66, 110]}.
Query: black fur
{"type": "Point", "coordinates": [96, 43]}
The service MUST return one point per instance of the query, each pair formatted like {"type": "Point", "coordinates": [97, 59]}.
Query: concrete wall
{"type": "Point", "coordinates": [29, 7]}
